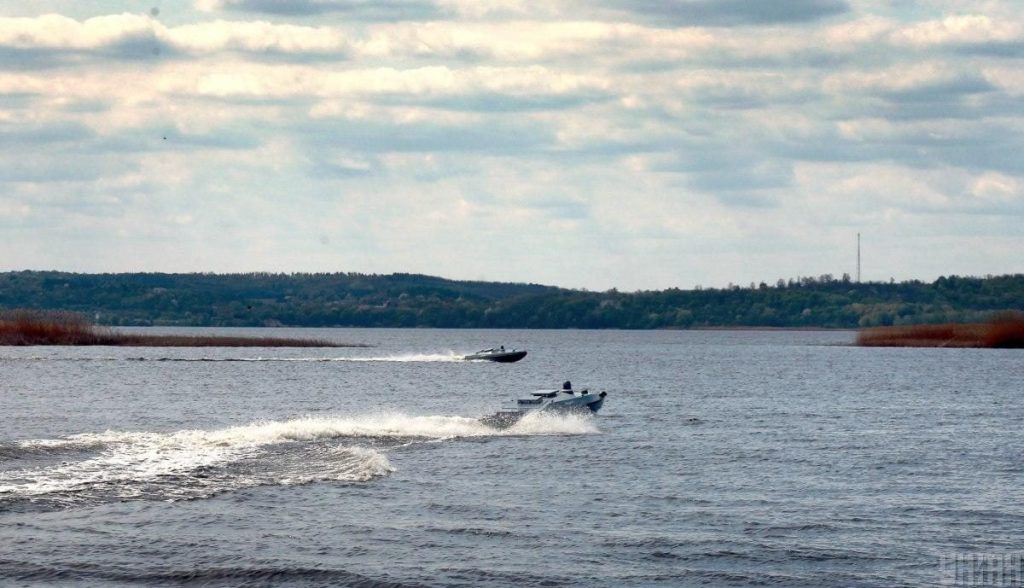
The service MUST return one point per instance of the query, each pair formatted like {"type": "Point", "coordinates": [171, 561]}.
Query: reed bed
{"type": "Point", "coordinates": [31, 327]}
{"type": "Point", "coordinates": [1000, 333]}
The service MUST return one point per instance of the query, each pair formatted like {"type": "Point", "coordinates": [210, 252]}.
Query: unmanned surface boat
{"type": "Point", "coordinates": [561, 401]}
{"type": "Point", "coordinates": [500, 355]}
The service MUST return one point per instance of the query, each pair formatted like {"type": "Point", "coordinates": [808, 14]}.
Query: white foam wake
{"type": "Point", "coordinates": [540, 423]}
{"type": "Point", "coordinates": [129, 464]}
{"type": "Point", "coordinates": [194, 463]}
{"type": "Point", "coordinates": [405, 357]}
{"type": "Point", "coordinates": [409, 357]}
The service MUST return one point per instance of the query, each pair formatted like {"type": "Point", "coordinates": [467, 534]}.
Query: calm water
{"type": "Point", "coordinates": [720, 458]}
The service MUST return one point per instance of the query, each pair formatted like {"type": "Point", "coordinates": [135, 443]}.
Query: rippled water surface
{"type": "Point", "coordinates": [720, 458]}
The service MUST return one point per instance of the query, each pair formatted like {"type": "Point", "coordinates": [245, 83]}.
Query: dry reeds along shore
{"type": "Point", "coordinates": [32, 327]}
{"type": "Point", "coordinates": [1004, 332]}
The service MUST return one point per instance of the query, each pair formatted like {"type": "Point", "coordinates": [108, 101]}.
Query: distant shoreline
{"type": "Point", "coordinates": [40, 328]}
{"type": "Point", "coordinates": [739, 328]}
{"type": "Point", "coordinates": [413, 301]}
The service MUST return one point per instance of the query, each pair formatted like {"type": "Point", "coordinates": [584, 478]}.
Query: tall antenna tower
{"type": "Point", "coordinates": [858, 258]}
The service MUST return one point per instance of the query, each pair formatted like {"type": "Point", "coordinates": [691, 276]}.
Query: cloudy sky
{"type": "Point", "coordinates": [635, 144]}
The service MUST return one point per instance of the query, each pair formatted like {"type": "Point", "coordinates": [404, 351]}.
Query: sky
{"type": "Point", "coordinates": [629, 144]}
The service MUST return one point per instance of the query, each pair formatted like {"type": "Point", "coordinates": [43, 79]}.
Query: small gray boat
{"type": "Point", "coordinates": [561, 401]}
{"type": "Point", "coordinates": [500, 355]}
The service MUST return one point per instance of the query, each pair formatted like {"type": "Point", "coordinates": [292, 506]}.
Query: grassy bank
{"type": "Point", "coordinates": [27, 327]}
{"type": "Point", "coordinates": [1002, 333]}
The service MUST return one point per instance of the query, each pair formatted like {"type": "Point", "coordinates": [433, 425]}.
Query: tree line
{"type": "Point", "coordinates": [411, 300]}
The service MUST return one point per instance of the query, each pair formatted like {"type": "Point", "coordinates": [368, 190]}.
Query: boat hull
{"type": "Point", "coordinates": [581, 404]}
{"type": "Point", "coordinates": [502, 420]}
{"type": "Point", "coordinates": [506, 357]}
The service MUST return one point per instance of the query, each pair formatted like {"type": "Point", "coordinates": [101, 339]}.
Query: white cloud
{"type": "Point", "coordinates": [718, 149]}
{"type": "Point", "coordinates": [900, 78]}
{"type": "Point", "coordinates": [250, 80]}
{"type": "Point", "coordinates": [210, 37]}
{"type": "Point", "coordinates": [1008, 78]}
{"type": "Point", "coordinates": [998, 188]}
{"type": "Point", "coordinates": [54, 31]}
{"type": "Point", "coordinates": [967, 29]}
{"type": "Point", "coordinates": [57, 32]}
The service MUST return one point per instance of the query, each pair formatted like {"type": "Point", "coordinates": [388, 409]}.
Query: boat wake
{"type": "Point", "coordinates": [402, 357]}
{"type": "Point", "coordinates": [407, 357]}
{"type": "Point", "coordinates": [93, 468]}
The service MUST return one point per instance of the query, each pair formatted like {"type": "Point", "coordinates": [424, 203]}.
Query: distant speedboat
{"type": "Point", "coordinates": [500, 355]}
{"type": "Point", "coordinates": [564, 401]}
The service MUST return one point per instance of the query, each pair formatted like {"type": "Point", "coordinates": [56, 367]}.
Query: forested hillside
{"type": "Point", "coordinates": [408, 300]}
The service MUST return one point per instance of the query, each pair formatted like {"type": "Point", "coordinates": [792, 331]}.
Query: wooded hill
{"type": "Point", "coordinates": [409, 300]}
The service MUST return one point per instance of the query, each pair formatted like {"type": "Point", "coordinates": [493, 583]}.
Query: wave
{"type": "Point", "coordinates": [266, 575]}
{"type": "Point", "coordinates": [125, 465]}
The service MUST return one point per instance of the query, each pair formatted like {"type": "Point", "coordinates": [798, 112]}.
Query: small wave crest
{"type": "Point", "coordinates": [43, 447]}
{"type": "Point", "coordinates": [62, 573]}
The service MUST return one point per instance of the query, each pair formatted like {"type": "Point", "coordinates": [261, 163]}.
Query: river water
{"type": "Point", "coordinates": [725, 458]}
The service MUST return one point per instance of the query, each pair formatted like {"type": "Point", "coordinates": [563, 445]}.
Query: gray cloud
{"type": "Point", "coordinates": [973, 147]}
{"type": "Point", "coordinates": [58, 166]}
{"type": "Point", "coordinates": [967, 96]}
{"type": "Point", "coordinates": [493, 102]}
{"type": "Point", "coordinates": [743, 199]}
{"type": "Point", "coordinates": [562, 208]}
{"type": "Point", "coordinates": [138, 48]}
{"type": "Point", "coordinates": [142, 48]}
{"type": "Point", "coordinates": [157, 138]}
{"type": "Point", "coordinates": [743, 174]}
{"type": "Point", "coordinates": [729, 12]}
{"type": "Point", "coordinates": [366, 10]}
{"type": "Point", "coordinates": [1009, 49]}
{"type": "Point", "coordinates": [743, 177]}
{"type": "Point", "coordinates": [17, 101]}
{"type": "Point", "coordinates": [739, 176]}
{"type": "Point", "coordinates": [942, 90]}
{"type": "Point", "coordinates": [358, 136]}
{"type": "Point", "coordinates": [35, 134]}
{"type": "Point", "coordinates": [739, 97]}
{"type": "Point", "coordinates": [30, 59]}
{"type": "Point", "coordinates": [85, 106]}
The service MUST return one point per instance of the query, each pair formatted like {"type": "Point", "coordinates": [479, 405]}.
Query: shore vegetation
{"type": "Point", "coordinates": [35, 327]}
{"type": "Point", "coordinates": [410, 300]}
{"type": "Point", "coordinates": [1005, 331]}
